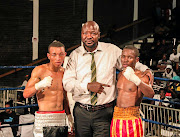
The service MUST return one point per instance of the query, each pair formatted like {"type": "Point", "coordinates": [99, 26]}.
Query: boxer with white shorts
{"type": "Point", "coordinates": [46, 83]}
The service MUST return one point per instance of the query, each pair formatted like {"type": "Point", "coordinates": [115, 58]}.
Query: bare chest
{"type": "Point", "coordinates": [125, 85]}
{"type": "Point", "coordinates": [57, 82]}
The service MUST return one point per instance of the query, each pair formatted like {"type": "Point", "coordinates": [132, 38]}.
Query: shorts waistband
{"type": "Point", "coordinates": [126, 112]}
{"type": "Point", "coordinates": [92, 108]}
{"type": "Point", "coordinates": [50, 112]}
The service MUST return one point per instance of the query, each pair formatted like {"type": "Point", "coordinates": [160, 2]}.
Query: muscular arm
{"type": "Point", "coordinates": [146, 87]}
{"type": "Point", "coordinates": [30, 87]}
{"type": "Point", "coordinates": [146, 71]}
{"type": "Point", "coordinates": [149, 73]}
{"type": "Point", "coordinates": [139, 80]}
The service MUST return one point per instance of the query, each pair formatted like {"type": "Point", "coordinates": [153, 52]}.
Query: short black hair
{"type": "Point", "coordinates": [10, 103]}
{"type": "Point", "coordinates": [136, 51]}
{"type": "Point", "coordinates": [162, 89]}
{"type": "Point", "coordinates": [56, 43]}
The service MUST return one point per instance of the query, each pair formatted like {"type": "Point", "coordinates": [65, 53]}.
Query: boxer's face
{"type": "Point", "coordinates": [128, 58]}
{"type": "Point", "coordinates": [56, 56]}
{"type": "Point", "coordinates": [90, 35]}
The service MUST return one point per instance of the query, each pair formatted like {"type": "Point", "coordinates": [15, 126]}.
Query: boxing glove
{"type": "Point", "coordinates": [131, 76]}
{"type": "Point", "coordinates": [46, 82]}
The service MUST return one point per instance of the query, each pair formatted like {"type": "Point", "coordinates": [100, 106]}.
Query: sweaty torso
{"type": "Point", "coordinates": [128, 93]}
{"type": "Point", "coordinates": [51, 98]}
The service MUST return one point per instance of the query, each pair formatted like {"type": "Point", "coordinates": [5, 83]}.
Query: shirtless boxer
{"type": "Point", "coordinates": [132, 85]}
{"type": "Point", "coordinates": [46, 83]}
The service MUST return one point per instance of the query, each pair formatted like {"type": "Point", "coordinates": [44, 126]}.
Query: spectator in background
{"type": "Point", "coordinates": [157, 84]}
{"type": "Point", "coordinates": [178, 66]}
{"type": "Point", "coordinates": [162, 48]}
{"type": "Point", "coordinates": [20, 97]}
{"type": "Point", "coordinates": [174, 88]}
{"type": "Point", "coordinates": [161, 31]}
{"type": "Point", "coordinates": [162, 63]}
{"type": "Point", "coordinates": [169, 72]}
{"type": "Point", "coordinates": [160, 96]}
{"type": "Point", "coordinates": [25, 80]}
{"type": "Point", "coordinates": [10, 117]}
{"type": "Point", "coordinates": [32, 100]}
{"type": "Point", "coordinates": [174, 58]}
{"type": "Point", "coordinates": [178, 48]}
{"type": "Point", "coordinates": [157, 113]}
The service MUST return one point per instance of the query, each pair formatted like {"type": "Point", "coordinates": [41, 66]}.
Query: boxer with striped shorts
{"type": "Point", "coordinates": [132, 85]}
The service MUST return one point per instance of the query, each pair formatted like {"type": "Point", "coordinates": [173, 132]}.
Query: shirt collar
{"type": "Point", "coordinates": [99, 48]}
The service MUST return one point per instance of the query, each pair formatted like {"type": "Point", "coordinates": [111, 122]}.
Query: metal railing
{"type": "Point", "coordinates": [164, 118]}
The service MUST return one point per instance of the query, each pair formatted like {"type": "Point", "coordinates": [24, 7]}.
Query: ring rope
{"type": "Point", "coordinates": [166, 79]}
{"type": "Point", "coordinates": [5, 67]}
{"type": "Point", "coordinates": [161, 100]}
{"type": "Point", "coordinates": [15, 125]}
{"type": "Point", "coordinates": [23, 87]}
{"type": "Point", "coordinates": [25, 106]}
{"type": "Point", "coordinates": [159, 123]}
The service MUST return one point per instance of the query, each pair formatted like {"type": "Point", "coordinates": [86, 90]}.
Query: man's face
{"type": "Point", "coordinates": [128, 58]}
{"type": "Point", "coordinates": [162, 93]}
{"type": "Point", "coordinates": [164, 57]}
{"type": "Point", "coordinates": [168, 70]}
{"type": "Point", "coordinates": [56, 56]}
{"type": "Point", "coordinates": [90, 35]}
{"type": "Point", "coordinates": [7, 110]}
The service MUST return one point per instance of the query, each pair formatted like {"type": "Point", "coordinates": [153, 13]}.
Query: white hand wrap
{"type": "Point", "coordinates": [70, 121]}
{"type": "Point", "coordinates": [129, 74]}
{"type": "Point", "coordinates": [46, 82]}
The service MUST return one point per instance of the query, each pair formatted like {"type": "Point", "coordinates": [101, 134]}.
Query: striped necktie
{"type": "Point", "coordinates": [93, 79]}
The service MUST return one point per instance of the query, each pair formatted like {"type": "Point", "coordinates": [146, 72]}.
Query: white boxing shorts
{"type": "Point", "coordinates": [49, 123]}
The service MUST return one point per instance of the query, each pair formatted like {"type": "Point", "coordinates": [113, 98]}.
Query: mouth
{"type": "Point", "coordinates": [58, 63]}
{"type": "Point", "coordinates": [89, 41]}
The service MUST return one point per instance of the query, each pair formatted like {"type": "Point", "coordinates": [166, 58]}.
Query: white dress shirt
{"type": "Point", "coordinates": [174, 58]}
{"type": "Point", "coordinates": [78, 72]}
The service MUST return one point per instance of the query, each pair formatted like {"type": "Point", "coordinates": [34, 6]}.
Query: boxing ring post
{"type": "Point", "coordinates": [4, 96]}
{"type": "Point", "coordinates": [35, 37]}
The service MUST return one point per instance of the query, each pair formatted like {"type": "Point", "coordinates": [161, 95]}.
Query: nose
{"type": "Point", "coordinates": [58, 57]}
{"type": "Point", "coordinates": [89, 35]}
{"type": "Point", "coordinates": [125, 59]}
